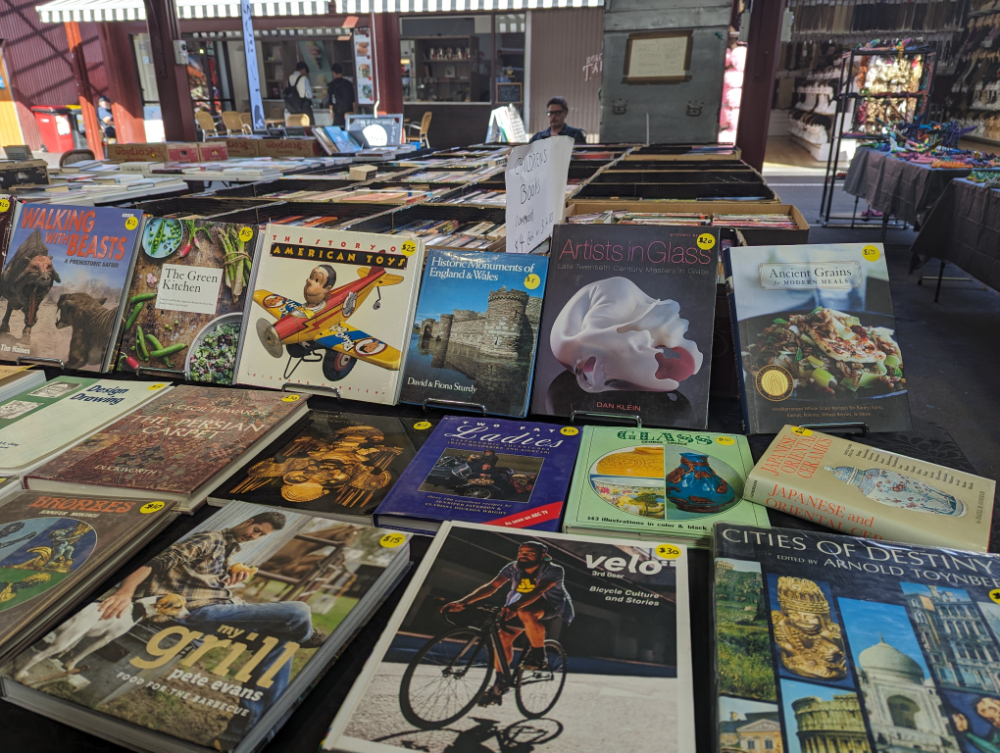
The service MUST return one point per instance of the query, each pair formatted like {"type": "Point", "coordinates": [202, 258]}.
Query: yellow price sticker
{"type": "Point", "coordinates": [871, 253]}
{"type": "Point", "coordinates": [706, 241]}
{"type": "Point", "coordinates": [569, 431]}
{"type": "Point", "coordinates": [668, 551]}
{"type": "Point", "coordinates": [290, 398]}
{"type": "Point", "coordinates": [725, 441]}
{"type": "Point", "coordinates": [157, 386]}
{"type": "Point", "coordinates": [392, 540]}
{"type": "Point", "coordinates": [532, 281]}
{"type": "Point", "coordinates": [131, 223]}
{"type": "Point", "coordinates": [149, 507]}
{"type": "Point", "coordinates": [409, 248]}
{"type": "Point", "coordinates": [422, 425]}
{"type": "Point", "coordinates": [801, 431]}
{"type": "Point", "coordinates": [246, 234]}
{"type": "Point", "coordinates": [4, 205]}
{"type": "Point", "coordinates": [995, 595]}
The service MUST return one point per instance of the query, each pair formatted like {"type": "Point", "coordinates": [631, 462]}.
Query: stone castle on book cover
{"type": "Point", "coordinates": [508, 329]}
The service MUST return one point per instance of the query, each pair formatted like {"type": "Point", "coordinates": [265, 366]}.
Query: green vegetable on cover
{"type": "Point", "coordinates": [798, 355]}
{"type": "Point", "coordinates": [816, 362]}
{"type": "Point", "coordinates": [157, 346]}
{"type": "Point", "coordinates": [141, 341]}
{"type": "Point", "coordinates": [133, 316]}
{"type": "Point", "coordinates": [891, 362]}
{"type": "Point", "coordinates": [779, 320]}
{"type": "Point", "coordinates": [868, 380]}
{"type": "Point", "coordinates": [168, 350]}
{"type": "Point", "coordinates": [824, 378]}
{"type": "Point", "coordinates": [141, 297]}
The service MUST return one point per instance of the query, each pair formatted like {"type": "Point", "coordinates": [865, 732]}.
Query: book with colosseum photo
{"type": "Point", "coordinates": [476, 331]}
{"type": "Point", "coordinates": [833, 643]}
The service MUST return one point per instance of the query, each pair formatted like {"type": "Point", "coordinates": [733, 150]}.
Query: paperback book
{"type": "Point", "coordinates": [828, 642]}
{"type": "Point", "coordinates": [8, 208]}
{"type": "Point", "coordinates": [861, 491]}
{"type": "Point", "coordinates": [610, 650]}
{"type": "Point", "coordinates": [660, 484]}
{"type": "Point", "coordinates": [627, 325]}
{"type": "Point", "coordinates": [179, 448]}
{"type": "Point", "coordinates": [337, 465]}
{"type": "Point", "coordinates": [478, 470]}
{"type": "Point", "coordinates": [476, 329]}
{"type": "Point", "coordinates": [64, 283]}
{"type": "Point", "coordinates": [345, 322]}
{"type": "Point", "coordinates": [211, 644]}
{"type": "Point", "coordinates": [816, 337]}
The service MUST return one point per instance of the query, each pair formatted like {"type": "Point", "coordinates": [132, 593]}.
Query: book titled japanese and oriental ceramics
{"type": "Point", "coordinates": [627, 324]}
{"type": "Point", "coordinates": [816, 337]}
{"type": "Point", "coordinates": [609, 649]}
{"type": "Point", "coordinates": [485, 470]}
{"type": "Point", "coordinates": [828, 642]}
{"type": "Point", "coordinates": [210, 645]}
{"type": "Point", "coordinates": [331, 310]}
{"type": "Point", "coordinates": [185, 304]}
{"type": "Point", "coordinates": [476, 328]}
{"type": "Point", "coordinates": [64, 283]}
{"type": "Point", "coordinates": [862, 491]}
{"type": "Point", "coordinates": [177, 448]}
{"type": "Point", "coordinates": [662, 484]}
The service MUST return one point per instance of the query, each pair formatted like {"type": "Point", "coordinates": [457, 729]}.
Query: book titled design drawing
{"type": "Point", "coordinates": [827, 642]}
{"type": "Point", "coordinates": [627, 324]}
{"type": "Point", "coordinates": [64, 282]}
{"type": "Point", "coordinates": [338, 465]}
{"type": "Point", "coordinates": [186, 301]}
{"type": "Point", "coordinates": [861, 491]}
{"type": "Point", "coordinates": [475, 332]}
{"type": "Point", "coordinates": [211, 644]}
{"type": "Point", "coordinates": [479, 470]}
{"type": "Point", "coordinates": [179, 448]}
{"type": "Point", "coordinates": [816, 337]}
{"type": "Point", "coordinates": [662, 484]}
{"type": "Point", "coordinates": [610, 645]}
{"type": "Point", "coordinates": [330, 309]}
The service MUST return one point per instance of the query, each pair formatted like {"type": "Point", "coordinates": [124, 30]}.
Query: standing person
{"type": "Point", "coordinates": [557, 111]}
{"type": "Point", "coordinates": [298, 94]}
{"type": "Point", "coordinates": [106, 118]}
{"type": "Point", "coordinates": [340, 94]}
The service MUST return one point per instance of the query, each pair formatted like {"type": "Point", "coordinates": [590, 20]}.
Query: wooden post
{"type": "Point", "coordinates": [123, 84]}
{"type": "Point", "coordinates": [758, 79]}
{"type": "Point", "coordinates": [83, 91]}
{"type": "Point", "coordinates": [385, 33]}
{"type": "Point", "coordinates": [171, 78]}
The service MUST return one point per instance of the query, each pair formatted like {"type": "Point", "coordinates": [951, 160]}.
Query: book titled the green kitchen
{"type": "Point", "coordinates": [659, 483]}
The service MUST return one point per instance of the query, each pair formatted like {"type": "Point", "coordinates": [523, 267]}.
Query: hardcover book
{"type": "Point", "coordinates": [64, 282]}
{"type": "Point", "coordinates": [662, 484]}
{"type": "Point", "coordinates": [8, 208]}
{"type": "Point", "coordinates": [180, 447]}
{"type": "Point", "coordinates": [330, 309]}
{"type": "Point", "coordinates": [609, 649]}
{"type": "Point", "coordinates": [827, 642]}
{"type": "Point", "coordinates": [337, 465]}
{"type": "Point", "coordinates": [816, 337]}
{"type": "Point", "coordinates": [475, 332]}
{"type": "Point", "coordinates": [186, 301]}
{"type": "Point", "coordinates": [478, 470]}
{"type": "Point", "coordinates": [627, 324]}
{"type": "Point", "coordinates": [857, 490]}
{"type": "Point", "coordinates": [211, 644]}
{"type": "Point", "coordinates": [41, 421]}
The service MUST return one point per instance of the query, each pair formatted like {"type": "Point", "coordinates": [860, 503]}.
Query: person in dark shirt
{"type": "Point", "coordinates": [557, 110]}
{"type": "Point", "coordinates": [106, 118]}
{"type": "Point", "coordinates": [340, 93]}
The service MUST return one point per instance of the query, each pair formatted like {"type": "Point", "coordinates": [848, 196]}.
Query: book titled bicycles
{"type": "Point", "coordinates": [506, 637]}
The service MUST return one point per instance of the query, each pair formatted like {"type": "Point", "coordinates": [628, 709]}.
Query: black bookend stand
{"type": "Point", "coordinates": [609, 417]}
{"type": "Point", "coordinates": [311, 390]}
{"type": "Point", "coordinates": [455, 405]}
{"type": "Point", "coordinates": [25, 360]}
{"type": "Point", "coordinates": [847, 428]}
{"type": "Point", "coordinates": [177, 374]}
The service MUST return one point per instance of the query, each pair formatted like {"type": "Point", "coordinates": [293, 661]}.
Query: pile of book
{"type": "Point", "coordinates": [454, 233]}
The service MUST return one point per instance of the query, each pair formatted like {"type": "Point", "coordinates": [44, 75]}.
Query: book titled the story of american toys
{"type": "Point", "coordinates": [609, 650]}
{"type": "Point", "coordinates": [827, 642]}
{"type": "Point", "coordinates": [332, 310]}
{"type": "Point", "coordinates": [212, 642]}
{"type": "Point", "coordinates": [485, 470]}
{"type": "Point", "coordinates": [64, 282]}
{"type": "Point", "coordinates": [662, 484]}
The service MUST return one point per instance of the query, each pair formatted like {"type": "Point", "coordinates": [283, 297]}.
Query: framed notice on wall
{"type": "Point", "coordinates": [658, 57]}
{"type": "Point", "coordinates": [508, 92]}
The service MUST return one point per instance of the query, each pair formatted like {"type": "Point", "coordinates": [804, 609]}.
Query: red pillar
{"type": "Point", "coordinates": [758, 79]}
{"type": "Point", "coordinates": [388, 78]}
{"type": "Point", "coordinates": [123, 84]}
{"type": "Point", "coordinates": [171, 79]}
{"type": "Point", "coordinates": [83, 91]}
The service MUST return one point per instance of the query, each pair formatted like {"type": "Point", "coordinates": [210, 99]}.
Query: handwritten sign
{"type": "Point", "coordinates": [536, 191]}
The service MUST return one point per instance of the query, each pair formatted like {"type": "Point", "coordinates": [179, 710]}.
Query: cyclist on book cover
{"type": "Point", "coordinates": [537, 595]}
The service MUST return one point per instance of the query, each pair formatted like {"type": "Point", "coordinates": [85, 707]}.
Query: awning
{"type": "Point", "coordinates": [457, 6]}
{"type": "Point", "coordinates": [60, 11]}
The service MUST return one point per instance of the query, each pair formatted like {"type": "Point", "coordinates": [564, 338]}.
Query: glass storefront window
{"type": "Point", "coordinates": [510, 58]}
{"type": "Point", "coordinates": [447, 58]}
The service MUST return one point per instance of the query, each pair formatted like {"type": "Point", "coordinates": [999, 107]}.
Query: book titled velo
{"type": "Point", "coordinates": [479, 470]}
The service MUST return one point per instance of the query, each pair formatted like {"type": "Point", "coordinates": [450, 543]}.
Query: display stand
{"type": "Point", "coordinates": [22, 360]}
{"type": "Point", "coordinates": [455, 404]}
{"type": "Point", "coordinates": [860, 426]}
{"type": "Point", "coordinates": [311, 390]}
{"type": "Point", "coordinates": [177, 374]}
{"type": "Point", "coordinates": [506, 127]}
{"type": "Point", "coordinates": [613, 417]}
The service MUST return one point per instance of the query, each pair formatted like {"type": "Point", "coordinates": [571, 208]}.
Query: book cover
{"type": "Point", "coordinates": [658, 483]}
{"type": "Point", "coordinates": [187, 298]}
{"type": "Point", "coordinates": [627, 324]}
{"type": "Point", "coordinates": [827, 642]}
{"type": "Point", "coordinates": [174, 445]}
{"type": "Point", "coordinates": [861, 491]}
{"type": "Point", "coordinates": [596, 646]}
{"type": "Point", "coordinates": [216, 632]}
{"type": "Point", "coordinates": [478, 470]}
{"type": "Point", "coordinates": [41, 420]}
{"type": "Point", "coordinates": [337, 464]}
{"type": "Point", "coordinates": [8, 208]}
{"type": "Point", "coordinates": [475, 332]}
{"type": "Point", "coordinates": [64, 282]}
{"type": "Point", "coordinates": [330, 309]}
{"type": "Point", "coordinates": [815, 337]}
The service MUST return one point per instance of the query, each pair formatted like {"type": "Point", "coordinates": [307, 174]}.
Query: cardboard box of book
{"type": "Point", "coordinates": [288, 148]}
{"type": "Point", "coordinates": [240, 147]}
{"type": "Point", "coordinates": [212, 152]}
{"type": "Point", "coordinates": [27, 172]}
{"type": "Point", "coordinates": [137, 152]}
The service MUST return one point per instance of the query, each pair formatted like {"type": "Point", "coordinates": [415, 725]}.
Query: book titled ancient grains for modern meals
{"type": "Point", "coordinates": [862, 491]}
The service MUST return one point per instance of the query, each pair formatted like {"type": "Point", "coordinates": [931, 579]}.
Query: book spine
{"type": "Point", "coordinates": [737, 348]}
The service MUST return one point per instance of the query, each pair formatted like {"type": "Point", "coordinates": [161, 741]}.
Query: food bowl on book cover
{"type": "Point", "coordinates": [212, 355]}
{"type": "Point", "coordinates": [631, 480]}
{"type": "Point", "coordinates": [161, 237]}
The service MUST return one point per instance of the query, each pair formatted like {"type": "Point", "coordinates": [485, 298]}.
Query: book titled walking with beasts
{"type": "Point", "coordinates": [833, 643]}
